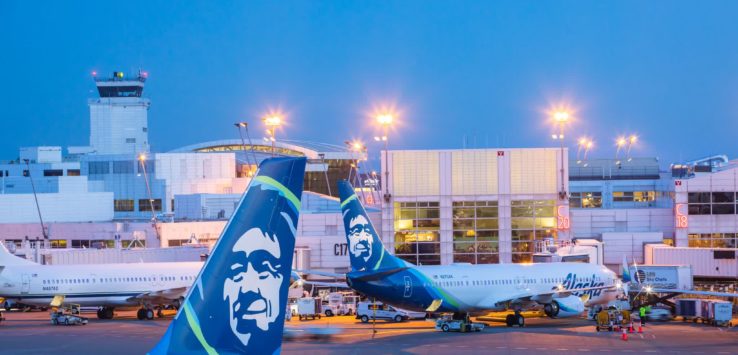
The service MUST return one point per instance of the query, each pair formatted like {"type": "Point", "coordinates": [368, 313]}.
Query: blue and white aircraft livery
{"type": "Point", "coordinates": [238, 301]}
{"type": "Point", "coordinates": [562, 289]}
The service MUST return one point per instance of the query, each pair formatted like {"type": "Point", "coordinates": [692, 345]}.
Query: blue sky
{"type": "Point", "coordinates": [487, 70]}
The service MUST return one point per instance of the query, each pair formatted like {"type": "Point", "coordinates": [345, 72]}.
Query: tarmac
{"type": "Point", "coordinates": [32, 333]}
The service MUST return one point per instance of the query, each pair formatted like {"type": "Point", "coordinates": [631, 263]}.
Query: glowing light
{"type": "Point", "coordinates": [272, 121]}
{"type": "Point", "coordinates": [621, 141]}
{"type": "Point", "coordinates": [142, 157]}
{"type": "Point", "coordinates": [583, 141]}
{"type": "Point", "coordinates": [94, 73]}
{"type": "Point", "coordinates": [561, 116]}
{"type": "Point", "coordinates": [633, 138]}
{"type": "Point", "coordinates": [385, 119]}
{"type": "Point", "coordinates": [589, 144]}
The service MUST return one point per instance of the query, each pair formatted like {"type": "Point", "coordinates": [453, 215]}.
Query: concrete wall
{"type": "Point", "coordinates": [57, 207]}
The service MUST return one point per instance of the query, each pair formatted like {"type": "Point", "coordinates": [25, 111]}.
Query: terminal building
{"type": "Point", "coordinates": [437, 206]}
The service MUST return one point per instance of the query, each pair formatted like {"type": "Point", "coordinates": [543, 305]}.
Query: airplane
{"type": "Point", "coordinates": [107, 286]}
{"type": "Point", "coordinates": [237, 303]}
{"type": "Point", "coordinates": [561, 289]}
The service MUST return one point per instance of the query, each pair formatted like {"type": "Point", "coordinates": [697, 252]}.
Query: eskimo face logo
{"type": "Point", "coordinates": [253, 283]}
{"type": "Point", "coordinates": [360, 238]}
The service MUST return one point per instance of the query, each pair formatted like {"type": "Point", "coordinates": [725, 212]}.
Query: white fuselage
{"type": "Point", "coordinates": [94, 285]}
{"type": "Point", "coordinates": [473, 288]}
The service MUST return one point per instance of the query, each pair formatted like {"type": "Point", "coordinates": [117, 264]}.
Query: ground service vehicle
{"type": "Point", "coordinates": [340, 303]}
{"type": "Point", "coordinates": [379, 310]}
{"type": "Point", "coordinates": [717, 313]}
{"type": "Point", "coordinates": [689, 309]}
{"type": "Point", "coordinates": [659, 314]}
{"type": "Point", "coordinates": [449, 324]}
{"type": "Point", "coordinates": [67, 314]}
{"type": "Point", "coordinates": [309, 307]}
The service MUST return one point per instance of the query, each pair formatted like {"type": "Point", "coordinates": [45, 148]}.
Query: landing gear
{"type": "Point", "coordinates": [145, 313]}
{"type": "Point", "coordinates": [515, 319]}
{"type": "Point", "coordinates": [105, 313]}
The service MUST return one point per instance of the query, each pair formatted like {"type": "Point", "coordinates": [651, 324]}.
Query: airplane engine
{"type": "Point", "coordinates": [564, 307]}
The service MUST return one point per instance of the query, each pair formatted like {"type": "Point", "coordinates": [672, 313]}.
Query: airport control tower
{"type": "Point", "coordinates": [119, 117]}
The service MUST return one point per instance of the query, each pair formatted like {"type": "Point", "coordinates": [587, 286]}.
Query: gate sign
{"type": "Point", "coordinates": [681, 215]}
{"type": "Point", "coordinates": [562, 217]}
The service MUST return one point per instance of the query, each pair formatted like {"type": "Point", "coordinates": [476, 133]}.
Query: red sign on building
{"type": "Point", "coordinates": [681, 213]}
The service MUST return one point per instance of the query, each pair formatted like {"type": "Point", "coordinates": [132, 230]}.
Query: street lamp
{"type": "Point", "coordinates": [583, 144]}
{"type": "Point", "coordinates": [561, 117]}
{"type": "Point", "coordinates": [245, 126]}
{"type": "Point", "coordinates": [631, 140]}
{"type": "Point", "coordinates": [620, 142]}
{"type": "Point", "coordinates": [272, 122]}
{"type": "Point", "coordinates": [385, 120]}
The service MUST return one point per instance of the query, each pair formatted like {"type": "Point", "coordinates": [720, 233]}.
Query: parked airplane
{"type": "Point", "coordinates": [105, 285]}
{"type": "Point", "coordinates": [562, 289]}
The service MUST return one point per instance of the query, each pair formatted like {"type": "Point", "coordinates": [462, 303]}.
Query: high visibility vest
{"type": "Point", "coordinates": [643, 311]}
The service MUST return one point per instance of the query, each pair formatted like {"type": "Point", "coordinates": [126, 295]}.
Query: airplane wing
{"type": "Point", "coordinates": [528, 296]}
{"type": "Point", "coordinates": [161, 296]}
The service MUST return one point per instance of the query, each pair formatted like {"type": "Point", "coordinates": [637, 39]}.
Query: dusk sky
{"type": "Point", "coordinates": [488, 70]}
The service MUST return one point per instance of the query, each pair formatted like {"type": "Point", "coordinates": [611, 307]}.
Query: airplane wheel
{"type": "Point", "coordinates": [520, 321]}
{"type": "Point", "coordinates": [108, 313]}
{"type": "Point", "coordinates": [328, 313]}
{"type": "Point", "coordinates": [149, 314]}
{"type": "Point", "coordinates": [510, 320]}
{"type": "Point", "coordinates": [364, 319]}
{"type": "Point", "coordinates": [99, 314]}
{"type": "Point", "coordinates": [444, 328]}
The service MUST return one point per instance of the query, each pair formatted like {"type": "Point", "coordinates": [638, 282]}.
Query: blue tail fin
{"type": "Point", "coordinates": [238, 302]}
{"type": "Point", "coordinates": [366, 251]}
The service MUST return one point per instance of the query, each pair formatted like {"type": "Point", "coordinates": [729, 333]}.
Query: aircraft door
{"type": "Point", "coordinates": [25, 283]}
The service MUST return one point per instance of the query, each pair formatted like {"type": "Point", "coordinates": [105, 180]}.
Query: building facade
{"type": "Point", "coordinates": [477, 205]}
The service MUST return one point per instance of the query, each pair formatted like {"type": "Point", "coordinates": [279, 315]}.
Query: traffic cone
{"type": "Point", "coordinates": [631, 329]}
{"type": "Point", "coordinates": [625, 335]}
{"type": "Point", "coordinates": [640, 329]}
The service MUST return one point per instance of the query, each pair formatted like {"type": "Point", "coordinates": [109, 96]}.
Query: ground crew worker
{"type": "Point", "coordinates": [642, 314]}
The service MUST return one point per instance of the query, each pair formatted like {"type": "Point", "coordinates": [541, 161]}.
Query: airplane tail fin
{"type": "Point", "coordinates": [8, 259]}
{"type": "Point", "coordinates": [237, 303]}
{"type": "Point", "coordinates": [626, 273]}
{"type": "Point", "coordinates": [366, 251]}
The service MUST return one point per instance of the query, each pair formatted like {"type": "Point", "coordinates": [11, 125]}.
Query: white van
{"type": "Point", "coordinates": [368, 310]}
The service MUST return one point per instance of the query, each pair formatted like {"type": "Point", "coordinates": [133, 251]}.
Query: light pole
{"type": "Point", "coordinates": [38, 208]}
{"type": "Point", "coordinates": [631, 140]}
{"type": "Point", "coordinates": [620, 142]}
{"type": "Point", "coordinates": [272, 122]}
{"type": "Point", "coordinates": [142, 160]}
{"type": "Point", "coordinates": [561, 118]}
{"type": "Point", "coordinates": [385, 120]}
{"type": "Point", "coordinates": [245, 126]}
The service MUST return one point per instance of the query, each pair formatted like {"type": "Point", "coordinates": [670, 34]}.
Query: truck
{"type": "Point", "coordinates": [717, 313]}
{"type": "Point", "coordinates": [340, 303]}
{"type": "Point", "coordinates": [308, 307]}
{"type": "Point", "coordinates": [664, 276]}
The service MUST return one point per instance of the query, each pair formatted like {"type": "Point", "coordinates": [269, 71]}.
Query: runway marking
{"type": "Point", "coordinates": [562, 349]}
{"type": "Point", "coordinates": [521, 348]}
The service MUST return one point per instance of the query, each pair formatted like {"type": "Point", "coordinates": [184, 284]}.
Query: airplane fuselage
{"type": "Point", "coordinates": [112, 285]}
{"type": "Point", "coordinates": [474, 288]}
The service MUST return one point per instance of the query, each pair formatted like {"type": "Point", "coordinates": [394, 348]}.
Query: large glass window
{"type": "Point", "coordinates": [144, 205]}
{"type": "Point", "coordinates": [532, 221]}
{"type": "Point", "coordinates": [476, 232]}
{"type": "Point", "coordinates": [417, 232]}
{"type": "Point", "coordinates": [123, 205]}
{"type": "Point", "coordinates": [585, 200]}
{"type": "Point", "coordinates": [633, 196]}
{"type": "Point", "coordinates": [123, 167]}
{"type": "Point", "coordinates": [705, 203]}
{"type": "Point", "coordinates": [713, 240]}
{"type": "Point", "coordinates": [98, 167]}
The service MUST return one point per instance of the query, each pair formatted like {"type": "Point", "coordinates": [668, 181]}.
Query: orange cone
{"type": "Point", "coordinates": [631, 329]}
{"type": "Point", "coordinates": [625, 335]}
{"type": "Point", "coordinates": [640, 329]}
